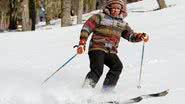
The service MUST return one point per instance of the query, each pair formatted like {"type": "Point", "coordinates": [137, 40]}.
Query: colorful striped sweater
{"type": "Point", "coordinates": [106, 32]}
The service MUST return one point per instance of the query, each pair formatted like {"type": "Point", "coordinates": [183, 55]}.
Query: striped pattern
{"type": "Point", "coordinates": [106, 32]}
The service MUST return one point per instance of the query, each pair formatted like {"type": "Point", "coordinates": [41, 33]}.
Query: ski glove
{"type": "Point", "coordinates": [142, 36]}
{"type": "Point", "coordinates": [81, 46]}
{"type": "Point", "coordinates": [81, 49]}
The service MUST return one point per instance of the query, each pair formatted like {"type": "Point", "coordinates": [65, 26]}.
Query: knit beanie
{"type": "Point", "coordinates": [109, 2]}
{"type": "Point", "coordinates": [123, 3]}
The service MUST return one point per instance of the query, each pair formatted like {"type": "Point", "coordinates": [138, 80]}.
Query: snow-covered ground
{"type": "Point", "coordinates": [28, 58]}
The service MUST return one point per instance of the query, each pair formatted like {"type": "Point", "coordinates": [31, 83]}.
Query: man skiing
{"type": "Point", "coordinates": [107, 28]}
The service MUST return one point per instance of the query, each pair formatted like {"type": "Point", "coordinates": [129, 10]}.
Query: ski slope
{"type": "Point", "coordinates": [28, 58]}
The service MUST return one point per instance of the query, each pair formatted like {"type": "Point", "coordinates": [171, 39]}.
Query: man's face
{"type": "Point", "coordinates": [115, 9]}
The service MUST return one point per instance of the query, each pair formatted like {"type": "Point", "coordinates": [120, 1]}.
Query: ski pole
{"type": "Point", "coordinates": [141, 66]}
{"type": "Point", "coordinates": [59, 68]}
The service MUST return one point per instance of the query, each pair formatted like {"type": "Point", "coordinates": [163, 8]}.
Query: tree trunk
{"type": "Point", "coordinates": [74, 7]}
{"type": "Point", "coordinates": [80, 12]}
{"type": "Point", "coordinates": [66, 13]}
{"type": "Point", "coordinates": [162, 4]}
{"type": "Point", "coordinates": [46, 3]}
{"type": "Point", "coordinates": [92, 5]}
{"type": "Point", "coordinates": [32, 13]}
{"type": "Point", "coordinates": [86, 6]}
{"type": "Point", "coordinates": [100, 4]}
{"type": "Point", "coordinates": [1, 21]}
{"type": "Point", "coordinates": [25, 16]}
{"type": "Point", "coordinates": [4, 9]}
{"type": "Point", "coordinates": [13, 15]}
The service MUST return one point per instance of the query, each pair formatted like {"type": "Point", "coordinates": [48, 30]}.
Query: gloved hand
{"type": "Point", "coordinates": [81, 46]}
{"type": "Point", "coordinates": [142, 36]}
{"type": "Point", "coordinates": [81, 49]}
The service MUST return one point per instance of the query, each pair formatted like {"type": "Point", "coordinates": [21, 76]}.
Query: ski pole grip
{"type": "Point", "coordinates": [75, 46]}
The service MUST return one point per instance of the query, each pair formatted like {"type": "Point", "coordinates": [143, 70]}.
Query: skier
{"type": "Point", "coordinates": [107, 28]}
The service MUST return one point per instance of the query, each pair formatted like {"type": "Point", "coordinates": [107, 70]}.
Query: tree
{"type": "Point", "coordinates": [80, 12]}
{"type": "Point", "coordinates": [20, 12]}
{"type": "Point", "coordinates": [13, 14]}
{"type": "Point", "coordinates": [74, 7]}
{"type": "Point", "coordinates": [47, 8]}
{"type": "Point", "coordinates": [24, 14]}
{"type": "Point", "coordinates": [4, 9]}
{"type": "Point", "coordinates": [89, 5]}
{"type": "Point", "coordinates": [93, 5]}
{"type": "Point", "coordinates": [100, 4]}
{"type": "Point", "coordinates": [32, 13]}
{"type": "Point", "coordinates": [162, 4]}
{"type": "Point", "coordinates": [66, 13]}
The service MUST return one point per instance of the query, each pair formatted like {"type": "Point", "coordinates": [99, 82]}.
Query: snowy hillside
{"type": "Point", "coordinates": [28, 58]}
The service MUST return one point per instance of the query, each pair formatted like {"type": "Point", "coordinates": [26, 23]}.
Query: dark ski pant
{"type": "Point", "coordinates": [97, 61]}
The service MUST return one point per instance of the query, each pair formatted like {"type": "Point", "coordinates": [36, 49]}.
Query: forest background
{"type": "Point", "coordinates": [23, 15]}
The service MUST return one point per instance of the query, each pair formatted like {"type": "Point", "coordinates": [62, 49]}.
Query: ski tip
{"type": "Point", "coordinates": [163, 93]}
{"type": "Point", "coordinates": [112, 102]}
{"type": "Point", "coordinates": [137, 99]}
{"type": "Point", "coordinates": [167, 91]}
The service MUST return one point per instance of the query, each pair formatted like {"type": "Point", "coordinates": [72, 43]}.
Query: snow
{"type": "Point", "coordinates": [28, 58]}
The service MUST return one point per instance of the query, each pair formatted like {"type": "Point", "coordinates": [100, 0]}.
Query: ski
{"type": "Point", "coordinates": [139, 98]}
